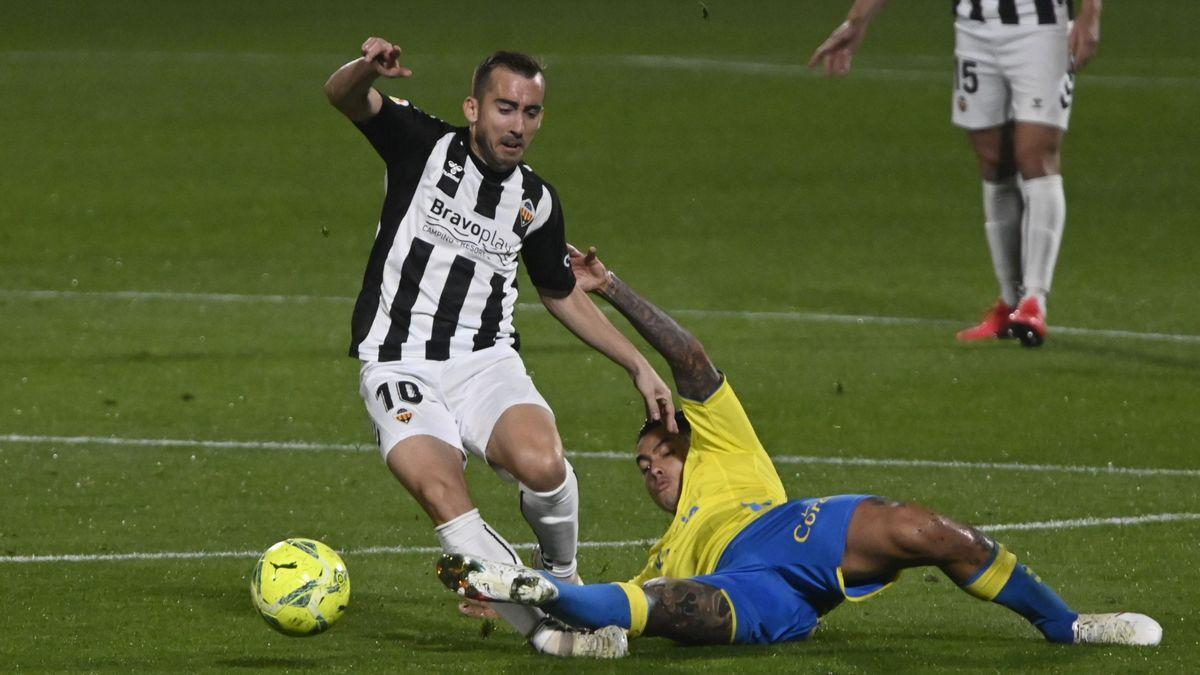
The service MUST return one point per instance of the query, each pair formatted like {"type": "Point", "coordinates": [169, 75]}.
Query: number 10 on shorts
{"type": "Point", "coordinates": [404, 390]}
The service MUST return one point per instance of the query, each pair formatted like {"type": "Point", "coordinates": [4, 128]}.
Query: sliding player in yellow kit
{"type": "Point", "coordinates": [741, 562]}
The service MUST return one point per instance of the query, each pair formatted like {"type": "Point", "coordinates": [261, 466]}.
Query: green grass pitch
{"type": "Point", "coordinates": [183, 220]}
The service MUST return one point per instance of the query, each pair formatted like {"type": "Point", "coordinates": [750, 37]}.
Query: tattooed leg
{"type": "Point", "coordinates": [688, 611]}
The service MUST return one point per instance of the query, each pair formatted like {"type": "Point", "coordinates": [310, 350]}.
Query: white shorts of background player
{"type": "Point", "coordinates": [1006, 73]}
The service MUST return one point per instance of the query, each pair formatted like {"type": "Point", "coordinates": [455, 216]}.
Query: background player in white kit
{"type": "Point", "coordinates": [441, 375]}
{"type": "Point", "coordinates": [1014, 82]}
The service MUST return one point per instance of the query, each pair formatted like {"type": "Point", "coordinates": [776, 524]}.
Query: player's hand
{"type": "Point", "coordinates": [477, 609]}
{"type": "Point", "coordinates": [385, 57]}
{"type": "Point", "coordinates": [590, 273]}
{"type": "Point", "coordinates": [837, 51]}
{"type": "Point", "coordinates": [1084, 40]}
{"type": "Point", "coordinates": [659, 402]}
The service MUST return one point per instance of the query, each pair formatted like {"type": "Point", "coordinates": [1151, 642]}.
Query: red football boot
{"type": "Point", "coordinates": [995, 325]}
{"type": "Point", "coordinates": [1028, 323]}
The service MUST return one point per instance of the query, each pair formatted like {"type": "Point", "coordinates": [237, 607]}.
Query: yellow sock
{"type": "Point", "coordinates": [990, 580]}
{"type": "Point", "coordinates": [639, 607]}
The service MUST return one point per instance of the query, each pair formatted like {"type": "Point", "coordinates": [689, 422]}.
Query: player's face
{"type": "Point", "coordinates": [504, 122]}
{"type": "Point", "coordinates": [660, 457]}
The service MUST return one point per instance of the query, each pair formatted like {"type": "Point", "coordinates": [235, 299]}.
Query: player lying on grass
{"type": "Point", "coordinates": [741, 562]}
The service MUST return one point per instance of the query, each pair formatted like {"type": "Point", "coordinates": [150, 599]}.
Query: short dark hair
{"type": "Point", "coordinates": [522, 64]}
{"type": "Point", "coordinates": [681, 421]}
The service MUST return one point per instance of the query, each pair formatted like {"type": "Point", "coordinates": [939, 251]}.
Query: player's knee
{"type": "Point", "coordinates": [997, 169]}
{"type": "Point", "coordinates": [995, 157]}
{"type": "Point", "coordinates": [989, 162]}
{"type": "Point", "coordinates": [539, 469]}
{"type": "Point", "coordinates": [436, 490]}
{"type": "Point", "coordinates": [925, 536]}
{"type": "Point", "coordinates": [1038, 167]}
{"type": "Point", "coordinates": [1038, 160]}
{"type": "Point", "coordinates": [916, 532]}
{"type": "Point", "coordinates": [442, 499]}
{"type": "Point", "coordinates": [533, 455]}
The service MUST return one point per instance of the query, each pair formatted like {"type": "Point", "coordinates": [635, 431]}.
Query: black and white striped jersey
{"type": "Point", "coordinates": [442, 277]}
{"type": "Point", "coordinates": [1016, 12]}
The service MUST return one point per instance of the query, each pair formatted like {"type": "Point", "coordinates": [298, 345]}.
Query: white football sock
{"type": "Point", "coordinates": [554, 517]}
{"type": "Point", "coordinates": [1002, 211]}
{"type": "Point", "coordinates": [469, 534]}
{"type": "Point", "coordinates": [1045, 215]}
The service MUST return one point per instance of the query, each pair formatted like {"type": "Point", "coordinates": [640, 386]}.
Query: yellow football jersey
{"type": "Point", "coordinates": [728, 482]}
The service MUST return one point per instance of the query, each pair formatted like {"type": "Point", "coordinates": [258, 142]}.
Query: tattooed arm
{"type": "Point", "coordinates": [695, 376]}
{"type": "Point", "coordinates": [688, 611]}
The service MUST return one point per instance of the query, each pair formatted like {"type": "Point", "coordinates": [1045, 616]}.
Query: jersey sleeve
{"type": "Point", "coordinates": [720, 425]}
{"type": "Point", "coordinates": [545, 251]}
{"type": "Point", "coordinates": [652, 569]}
{"type": "Point", "coordinates": [402, 131]}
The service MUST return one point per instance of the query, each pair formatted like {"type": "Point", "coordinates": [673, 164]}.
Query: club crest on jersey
{"type": "Point", "coordinates": [525, 215]}
{"type": "Point", "coordinates": [403, 415]}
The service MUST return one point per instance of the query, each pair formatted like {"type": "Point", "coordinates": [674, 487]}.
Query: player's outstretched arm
{"type": "Point", "coordinates": [349, 88]}
{"type": "Point", "coordinates": [837, 51]}
{"type": "Point", "coordinates": [1085, 34]}
{"type": "Point", "coordinates": [696, 377]}
{"type": "Point", "coordinates": [589, 324]}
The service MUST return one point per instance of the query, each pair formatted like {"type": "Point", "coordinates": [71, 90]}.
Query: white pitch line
{"type": "Point", "coordinates": [1074, 523]}
{"type": "Point", "coordinates": [1108, 469]}
{"type": "Point", "coordinates": [813, 317]}
{"type": "Point", "coordinates": [203, 555]}
{"type": "Point", "coordinates": [1093, 522]}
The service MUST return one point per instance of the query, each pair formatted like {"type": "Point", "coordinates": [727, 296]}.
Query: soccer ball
{"type": "Point", "coordinates": [300, 587]}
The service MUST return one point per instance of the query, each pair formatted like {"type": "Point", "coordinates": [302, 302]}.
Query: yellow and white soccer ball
{"type": "Point", "coordinates": [300, 587]}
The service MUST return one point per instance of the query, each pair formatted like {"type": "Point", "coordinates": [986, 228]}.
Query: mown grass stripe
{"type": "Point", "coordinates": [811, 317]}
{"type": "Point", "coordinates": [182, 443]}
{"type": "Point", "coordinates": [935, 72]}
{"type": "Point", "coordinates": [1075, 523]}
{"type": "Point", "coordinates": [618, 456]}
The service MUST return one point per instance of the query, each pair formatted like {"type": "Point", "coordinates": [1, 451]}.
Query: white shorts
{"type": "Point", "coordinates": [1005, 73]}
{"type": "Point", "coordinates": [457, 401]}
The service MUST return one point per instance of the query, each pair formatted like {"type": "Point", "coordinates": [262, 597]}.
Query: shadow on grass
{"type": "Point", "coordinates": [898, 652]}
{"type": "Point", "coordinates": [1110, 352]}
{"type": "Point", "coordinates": [914, 650]}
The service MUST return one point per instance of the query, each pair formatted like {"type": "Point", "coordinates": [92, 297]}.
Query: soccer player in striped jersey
{"type": "Point", "coordinates": [740, 562]}
{"type": "Point", "coordinates": [1014, 87]}
{"type": "Point", "coordinates": [433, 324]}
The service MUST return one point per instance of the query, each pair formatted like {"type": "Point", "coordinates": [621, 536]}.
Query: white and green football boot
{"type": "Point", "coordinates": [495, 581]}
{"type": "Point", "coordinates": [1121, 628]}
